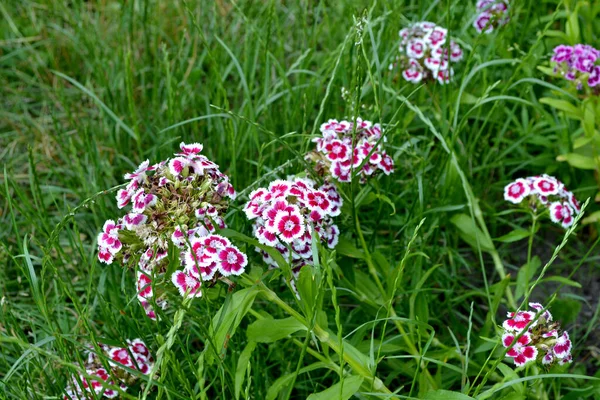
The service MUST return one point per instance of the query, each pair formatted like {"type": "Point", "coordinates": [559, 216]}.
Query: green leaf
{"type": "Point", "coordinates": [346, 248]}
{"type": "Point", "coordinates": [382, 263]}
{"type": "Point", "coordinates": [557, 34]}
{"type": "Point", "coordinates": [351, 385]}
{"type": "Point", "coordinates": [565, 310]}
{"type": "Point", "coordinates": [227, 319]}
{"type": "Point", "coordinates": [269, 330]}
{"type": "Point", "coordinates": [547, 70]}
{"type": "Point", "coordinates": [562, 105]}
{"type": "Point", "coordinates": [282, 381]}
{"type": "Point", "coordinates": [589, 119]}
{"type": "Point", "coordinates": [387, 200]}
{"type": "Point", "coordinates": [590, 219]}
{"type": "Point", "coordinates": [446, 395]}
{"type": "Point", "coordinates": [515, 396]}
{"type": "Point", "coordinates": [514, 236]}
{"type": "Point", "coordinates": [307, 285]}
{"type": "Point", "coordinates": [242, 366]}
{"type": "Point", "coordinates": [578, 160]}
{"type": "Point", "coordinates": [366, 288]}
{"type": "Point", "coordinates": [501, 386]}
{"type": "Point", "coordinates": [563, 280]}
{"type": "Point", "coordinates": [572, 28]}
{"type": "Point", "coordinates": [470, 232]}
{"type": "Point", "coordinates": [526, 273]}
{"type": "Point", "coordinates": [510, 374]}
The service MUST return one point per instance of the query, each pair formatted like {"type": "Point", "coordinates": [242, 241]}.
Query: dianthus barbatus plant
{"type": "Point", "coordinates": [426, 53]}
{"type": "Point", "coordinates": [492, 15]}
{"type": "Point", "coordinates": [578, 64]}
{"type": "Point", "coordinates": [532, 336]}
{"type": "Point", "coordinates": [345, 147]}
{"type": "Point", "coordinates": [289, 213]}
{"type": "Point", "coordinates": [177, 205]}
{"type": "Point", "coordinates": [135, 355]}
{"type": "Point", "coordinates": [544, 191]}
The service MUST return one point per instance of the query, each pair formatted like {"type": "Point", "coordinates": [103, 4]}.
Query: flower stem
{"type": "Point", "coordinates": [350, 355]}
{"type": "Point", "coordinates": [392, 313]}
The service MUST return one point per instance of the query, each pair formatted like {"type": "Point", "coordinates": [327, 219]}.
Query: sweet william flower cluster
{"type": "Point", "coordinates": [426, 53]}
{"type": "Point", "coordinates": [545, 191]}
{"type": "Point", "coordinates": [577, 64]}
{"type": "Point", "coordinates": [289, 213]}
{"type": "Point", "coordinates": [345, 147]}
{"type": "Point", "coordinates": [492, 15]}
{"type": "Point", "coordinates": [532, 336]}
{"type": "Point", "coordinates": [135, 356]}
{"type": "Point", "coordinates": [175, 204]}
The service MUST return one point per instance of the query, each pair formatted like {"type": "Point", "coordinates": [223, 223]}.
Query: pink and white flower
{"type": "Point", "coordinates": [186, 284]}
{"type": "Point", "coordinates": [177, 165]}
{"type": "Point", "coordinates": [232, 261]}
{"type": "Point", "coordinates": [139, 174]}
{"type": "Point", "coordinates": [561, 213]}
{"type": "Point", "coordinates": [413, 74]}
{"type": "Point", "coordinates": [144, 286]}
{"type": "Point", "coordinates": [519, 348]}
{"type": "Point", "coordinates": [539, 308]}
{"type": "Point", "coordinates": [516, 322]}
{"type": "Point", "coordinates": [492, 14]}
{"type": "Point", "coordinates": [97, 376]}
{"type": "Point", "coordinates": [436, 37]}
{"type": "Point", "coordinates": [416, 48]}
{"type": "Point", "coordinates": [289, 225]}
{"type": "Point", "coordinates": [547, 192]}
{"type": "Point", "coordinates": [287, 219]}
{"type": "Point", "coordinates": [563, 345]}
{"type": "Point", "coordinates": [180, 201]}
{"type": "Point", "coordinates": [483, 23]}
{"type": "Point", "coordinates": [108, 239]}
{"type": "Point", "coordinates": [541, 335]}
{"type": "Point", "coordinates": [516, 191]}
{"type": "Point", "coordinates": [191, 149]}
{"type": "Point", "coordinates": [423, 53]}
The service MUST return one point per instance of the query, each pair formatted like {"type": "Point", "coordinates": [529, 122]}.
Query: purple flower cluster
{"type": "Point", "coordinates": [578, 64]}
{"type": "Point", "coordinates": [492, 15]}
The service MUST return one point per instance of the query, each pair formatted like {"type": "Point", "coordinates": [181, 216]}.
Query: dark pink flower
{"type": "Point", "coordinates": [186, 284]}
{"type": "Point", "coordinates": [561, 213]}
{"type": "Point", "coordinates": [519, 349]}
{"type": "Point", "coordinates": [562, 348]}
{"type": "Point", "coordinates": [483, 23]}
{"type": "Point", "coordinates": [516, 322]}
{"type": "Point", "coordinates": [516, 191]}
{"type": "Point", "coordinates": [232, 262]}
{"type": "Point", "coordinates": [336, 150]}
{"type": "Point", "coordinates": [289, 225]}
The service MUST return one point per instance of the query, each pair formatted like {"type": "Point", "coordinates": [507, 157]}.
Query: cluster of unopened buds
{"type": "Point", "coordinates": [289, 213]}
{"type": "Point", "coordinates": [348, 147]}
{"type": "Point", "coordinates": [99, 381]}
{"type": "Point", "coordinates": [532, 335]}
{"type": "Point", "coordinates": [578, 64]}
{"type": "Point", "coordinates": [492, 15]}
{"type": "Point", "coordinates": [181, 202]}
{"type": "Point", "coordinates": [426, 53]}
{"type": "Point", "coordinates": [548, 192]}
